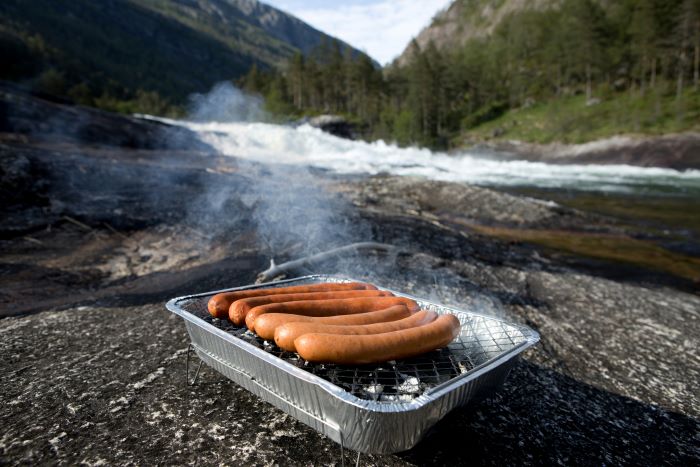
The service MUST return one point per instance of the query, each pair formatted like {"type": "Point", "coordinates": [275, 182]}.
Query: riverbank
{"type": "Point", "coordinates": [654, 129]}
{"type": "Point", "coordinates": [574, 119]}
{"type": "Point", "coordinates": [674, 151]}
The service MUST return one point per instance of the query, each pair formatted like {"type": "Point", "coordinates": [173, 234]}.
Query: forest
{"type": "Point", "coordinates": [576, 71]}
{"type": "Point", "coordinates": [646, 52]}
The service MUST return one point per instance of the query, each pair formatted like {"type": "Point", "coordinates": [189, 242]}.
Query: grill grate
{"type": "Point", "coordinates": [480, 340]}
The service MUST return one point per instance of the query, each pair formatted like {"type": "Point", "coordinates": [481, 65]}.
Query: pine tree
{"type": "Point", "coordinates": [642, 32]}
{"type": "Point", "coordinates": [584, 26]}
{"type": "Point", "coordinates": [684, 33]}
{"type": "Point", "coordinates": [296, 76]}
{"type": "Point", "coordinates": [691, 10]}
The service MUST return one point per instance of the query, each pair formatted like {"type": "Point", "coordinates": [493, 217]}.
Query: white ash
{"type": "Point", "coordinates": [410, 385]}
{"type": "Point", "coordinates": [373, 388]}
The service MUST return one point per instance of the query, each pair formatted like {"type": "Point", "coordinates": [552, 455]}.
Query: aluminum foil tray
{"type": "Point", "coordinates": [374, 409]}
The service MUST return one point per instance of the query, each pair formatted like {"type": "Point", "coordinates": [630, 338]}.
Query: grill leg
{"type": "Point", "coordinates": [187, 368]}
{"type": "Point", "coordinates": [342, 454]}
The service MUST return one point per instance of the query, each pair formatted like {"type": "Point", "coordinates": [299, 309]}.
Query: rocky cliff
{"type": "Point", "coordinates": [464, 20]}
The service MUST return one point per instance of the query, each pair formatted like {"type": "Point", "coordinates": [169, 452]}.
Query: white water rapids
{"type": "Point", "coordinates": [305, 145]}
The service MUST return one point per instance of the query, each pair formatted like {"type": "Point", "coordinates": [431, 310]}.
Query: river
{"type": "Point", "coordinates": [306, 145]}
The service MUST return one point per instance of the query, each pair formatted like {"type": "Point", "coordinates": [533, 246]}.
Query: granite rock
{"type": "Point", "coordinates": [96, 239]}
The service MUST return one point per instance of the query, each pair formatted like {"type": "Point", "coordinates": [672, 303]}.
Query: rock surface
{"type": "Point", "coordinates": [336, 125]}
{"type": "Point", "coordinates": [109, 384]}
{"type": "Point", "coordinates": [94, 366]}
{"type": "Point", "coordinates": [673, 151]}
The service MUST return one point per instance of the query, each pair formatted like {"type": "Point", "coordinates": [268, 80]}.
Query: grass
{"type": "Point", "coordinates": [570, 120]}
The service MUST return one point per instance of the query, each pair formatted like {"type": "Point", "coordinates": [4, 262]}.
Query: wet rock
{"type": "Point", "coordinates": [41, 119]}
{"type": "Point", "coordinates": [431, 199]}
{"type": "Point", "coordinates": [335, 125]}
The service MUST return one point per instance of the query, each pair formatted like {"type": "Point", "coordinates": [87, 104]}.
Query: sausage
{"type": "Point", "coordinates": [331, 307]}
{"type": "Point", "coordinates": [287, 333]}
{"type": "Point", "coordinates": [268, 322]}
{"type": "Point", "coordinates": [220, 303]}
{"type": "Point", "coordinates": [340, 306]}
{"type": "Point", "coordinates": [240, 308]}
{"type": "Point", "coordinates": [375, 348]}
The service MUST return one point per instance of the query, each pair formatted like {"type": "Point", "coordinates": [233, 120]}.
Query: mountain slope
{"type": "Point", "coordinates": [114, 48]}
{"type": "Point", "coordinates": [467, 19]}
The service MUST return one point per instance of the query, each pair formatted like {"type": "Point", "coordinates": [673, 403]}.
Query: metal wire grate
{"type": "Point", "coordinates": [480, 340]}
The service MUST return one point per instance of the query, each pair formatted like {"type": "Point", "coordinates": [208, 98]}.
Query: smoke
{"type": "Point", "coordinates": [218, 206]}
{"type": "Point", "coordinates": [294, 212]}
{"type": "Point", "coordinates": [226, 103]}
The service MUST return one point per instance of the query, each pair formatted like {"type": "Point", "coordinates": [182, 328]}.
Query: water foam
{"type": "Point", "coordinates": [305, 145]}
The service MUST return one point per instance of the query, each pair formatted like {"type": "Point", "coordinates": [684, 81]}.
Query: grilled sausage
{"type": "Point", "coordinates": [375, 348]}
{"type": "Point", "coordinates": [287, 333]}
{"type": "Point", "coordinates": [267, 323]}
{"type": "Point", "coordinates": [341, 306]}
{"type": "Point", "coordinates": [240, 308]}
{"type": "Point", "coordinates": [220, 303]}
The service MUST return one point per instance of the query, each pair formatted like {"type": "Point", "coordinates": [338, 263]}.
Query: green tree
{"type": "Point", "coordinates": [584, 26]}
{"type": "Point", "coordinates": [296, 74]}
{"type": "Point", "coordinates": [81, 94]}
{"type": "Point", "coordinates": [690, 25]}
{"type": "Point", "coordinates": [254, 81]}
{"type": "Point", "coordinates": [277, 100]}
{"type": "Point", "coordinates": [404, 127]}
{"type": "Point", "coordinates": [643, 37]}
{"type": "Point", "coordinates": [52, 82]}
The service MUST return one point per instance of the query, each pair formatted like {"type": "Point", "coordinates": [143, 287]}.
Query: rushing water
{"type": "Point", "coordinates": [305, 145]}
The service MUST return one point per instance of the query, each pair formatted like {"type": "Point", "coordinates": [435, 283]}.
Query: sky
{"type": "Point", "coordinates": [380, 28]}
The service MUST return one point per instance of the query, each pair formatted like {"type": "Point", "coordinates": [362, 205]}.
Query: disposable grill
{"type": "Point", "coordinates": [369, 408]}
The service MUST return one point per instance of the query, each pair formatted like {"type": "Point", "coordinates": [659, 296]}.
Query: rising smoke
{"type": "Point", "coordinates": [295, 213]}
{"type": "Point", "coordinates": [225, 104]}
{"type": "Point", "coordinates": [292, 212]}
